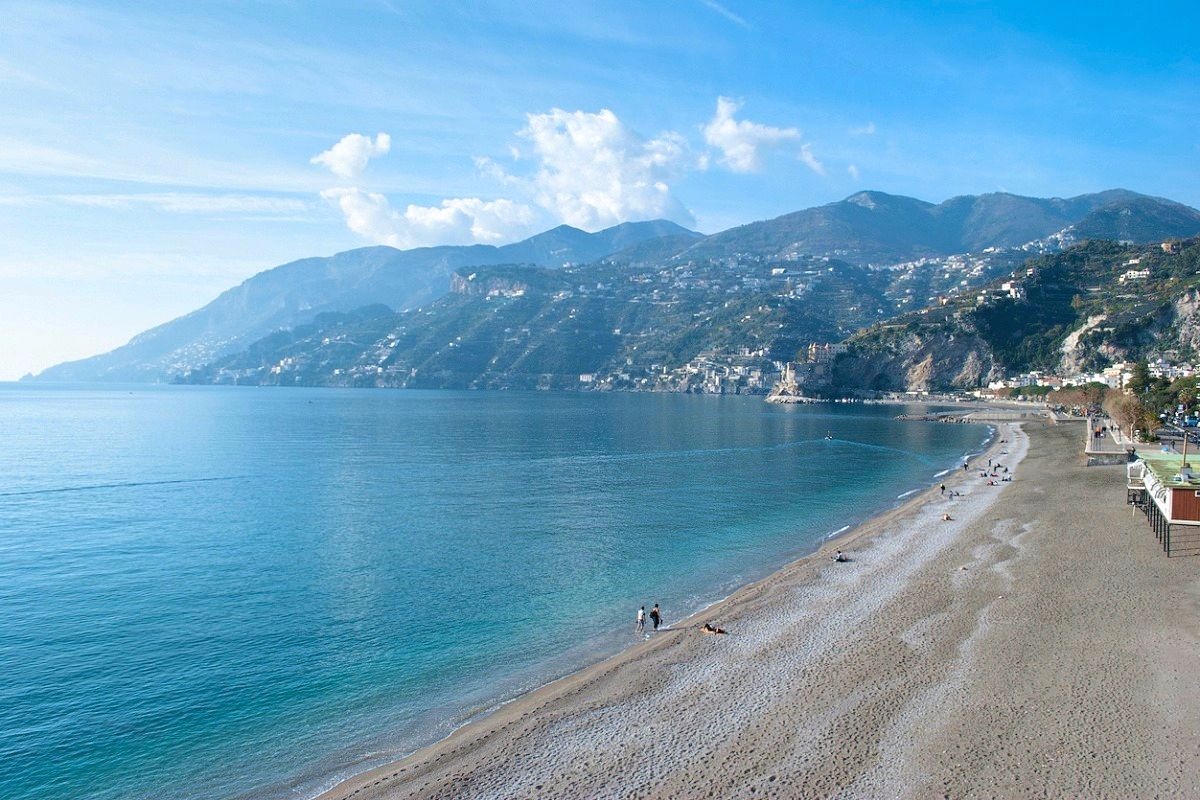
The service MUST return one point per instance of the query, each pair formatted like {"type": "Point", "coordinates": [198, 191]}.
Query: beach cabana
{"type": "Point", "coordinates": [1167, 490]}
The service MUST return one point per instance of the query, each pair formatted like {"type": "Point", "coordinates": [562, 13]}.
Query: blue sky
{"type": "Point", "coordinates": [153, 155]}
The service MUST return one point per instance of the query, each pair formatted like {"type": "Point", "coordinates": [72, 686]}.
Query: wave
{"type": "Point", "coordinates": [838, 532]}
{"type": "Point", "coordinates": [131, 484]}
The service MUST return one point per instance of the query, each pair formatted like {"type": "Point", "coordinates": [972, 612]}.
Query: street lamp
{"type": "Point", "coordinates": [1184, 465]}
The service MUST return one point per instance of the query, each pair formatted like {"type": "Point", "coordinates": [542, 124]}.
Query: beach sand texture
{"type": "Point", "coordinates": [1039, 644]}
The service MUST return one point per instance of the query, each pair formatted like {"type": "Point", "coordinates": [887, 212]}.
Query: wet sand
{"type": "Point", "coordinates": [1039, 644]}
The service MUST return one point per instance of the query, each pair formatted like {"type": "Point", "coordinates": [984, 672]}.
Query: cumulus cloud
{"type": "Point", "coordinates": [594, 172]}
{"type": "Point", "coordinates": [349, 157]}
{"type": "Point", "coordinates": [742, 142]}
{"type": "Point", "coordinates": [460, 220]}
{"type": "Point", "coordinates": [586, 169]}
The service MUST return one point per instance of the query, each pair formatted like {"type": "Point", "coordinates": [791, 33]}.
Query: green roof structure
{"type": "Point", "coordinates": [1166, 466]}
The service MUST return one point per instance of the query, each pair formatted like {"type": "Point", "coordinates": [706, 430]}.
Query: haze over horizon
{"type": "Point", "coordinates": [200, 146]}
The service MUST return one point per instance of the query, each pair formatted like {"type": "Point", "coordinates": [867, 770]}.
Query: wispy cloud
{"type": "Point", "coordinates": [154, 165]}
{"type": "Point", "coordinates": [184, 203]}
{"type": "Point", "coordinates": [31, 158]}
{"type": "Point", "coordinates": [172, 202]}
{"type": "Point", "coordinates": [726, 13]}
{"type": "Point", "coordinates": [863, 130]}
{"type": "Point", "coordinates": [852, 171]}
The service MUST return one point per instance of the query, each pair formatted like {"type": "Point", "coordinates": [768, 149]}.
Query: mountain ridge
{"type": "Point", "coordinates": [294, 293]}
{"type": "Point", "coordinates": [868, 228]}
{"type": "Point", "coordinates": [874, 227]}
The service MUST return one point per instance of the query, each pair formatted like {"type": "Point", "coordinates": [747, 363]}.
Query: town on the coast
{"type": "Point", "coordinates": [1016, 322]}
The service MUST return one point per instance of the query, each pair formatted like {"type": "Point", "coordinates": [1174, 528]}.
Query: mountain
{"type": "Point", "coordinates": [604, 325]}
{"type": "Point", "coordinates": [928, 250]}
{"type": "Point", "coordinates": [295, 293]}
{"type": "Point", "coordinates": [723, 324]}
{"type": "Point", "coordinates": [878, 228]}
{"type": "Point", "coordinates": [1139, 220]}
{"type": "Point", "coordinates": [1076, 311]}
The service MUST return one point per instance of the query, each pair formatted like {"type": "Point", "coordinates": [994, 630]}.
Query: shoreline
{"type": "Point", "coordinates": [502, 716]}
{"type": "Point", "coordinates": [1038, 644]}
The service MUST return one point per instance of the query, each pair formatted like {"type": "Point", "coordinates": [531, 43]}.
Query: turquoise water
{"type": "Point", "coordinates": [206, 592]}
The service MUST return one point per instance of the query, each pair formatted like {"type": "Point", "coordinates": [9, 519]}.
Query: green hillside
{"type": "Point", "coordinates": [1074, 311]}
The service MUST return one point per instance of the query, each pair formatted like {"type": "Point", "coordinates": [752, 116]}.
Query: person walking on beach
{"type": "Point", "coordinates": [943, 490]}
{"type": "Point", "coordinates": [655, 616]}
{"type": "Point", "coordinates": [641, 620]}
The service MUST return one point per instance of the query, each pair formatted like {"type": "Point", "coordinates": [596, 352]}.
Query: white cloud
{"type": "Point", "coordinates": [368, 214]}
{"type": "Point", "coordinates": [188, 203]}
{"type": "Point", "coordinates": [582, 168]}
{"type": "Point", "coordinates": [349, 157]}
{"type": "Point", "coordinates": [37, 159]}
{"type": "Point", "coordinates": [863, 130]}
{"type": "Point", "coordinates": [595, 172]}
{"type": "Point", "coordinates": [260, 207]}
{"type": "Point", "coordinates": [809, 160]}
{"type": "Point", "coordinates": [460, 220]}
{"type": "Point", "coordinates": [470, 219]}
{"type": "Point", "coordinates": [852, 169]}
{"type": "Point", "coordinates": [742, 142]}
{"type": "Point", "coordinates": [726, 13]}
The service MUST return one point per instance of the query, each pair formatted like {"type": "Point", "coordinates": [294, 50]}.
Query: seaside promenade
{"type": "Point", "coordinates": [1036, 644]}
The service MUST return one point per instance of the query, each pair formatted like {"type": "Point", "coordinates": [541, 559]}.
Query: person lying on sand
{"type": "Point", "coordinates": [839, 556]}
{"type": "Point", "coordinates": [946, 517]}
{"type": "Point", "coordinates": [707, 628]}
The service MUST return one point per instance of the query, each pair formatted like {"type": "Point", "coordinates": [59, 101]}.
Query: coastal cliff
{"type": "Point", "coordinates": [915, 361]}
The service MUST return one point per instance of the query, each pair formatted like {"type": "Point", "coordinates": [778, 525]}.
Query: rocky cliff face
{"type": "Point", "coordinates": [1074, 352]}
{"type": "Point", "coordinates": [475, 285]}
{"type": "Point", "coordinates": [1187, 320]}
{"type": "Point", "coordinates": [917, 363]}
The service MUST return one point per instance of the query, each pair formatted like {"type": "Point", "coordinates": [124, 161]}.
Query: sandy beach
{"type": "Point", "coordinates": [1037, 644]}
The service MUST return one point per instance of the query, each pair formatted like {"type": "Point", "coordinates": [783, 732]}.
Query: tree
{"type": "Point", "coordinates": [1128, 412]}
{"type": "Point", "coordinates": [1140, 380]}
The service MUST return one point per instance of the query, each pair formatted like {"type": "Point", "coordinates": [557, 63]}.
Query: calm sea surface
{"type": "Point", "coordinates": [210, 591]}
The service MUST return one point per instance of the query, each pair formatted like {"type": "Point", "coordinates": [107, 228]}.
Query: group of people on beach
{"type": "Point", "coordinates": [994, 472]}
{"type": "Point", "coordinates": [655, 618]}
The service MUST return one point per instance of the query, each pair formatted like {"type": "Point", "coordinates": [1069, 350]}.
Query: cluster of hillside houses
{"type": "Point", "coordinates": [1114, 377]}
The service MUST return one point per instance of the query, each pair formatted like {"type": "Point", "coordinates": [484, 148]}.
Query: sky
{"type": "Point", "coordinates": [154, 155]}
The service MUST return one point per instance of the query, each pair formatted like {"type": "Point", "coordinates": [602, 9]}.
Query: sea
{"type": "Point", "coordinates": [223, 592]}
